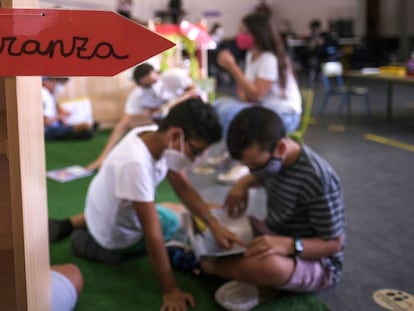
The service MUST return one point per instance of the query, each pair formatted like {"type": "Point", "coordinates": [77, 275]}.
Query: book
{"type": "Point", "coordinates": [204, 244]}
{"type": "Point", "coordinates": [69, 173]}
{"type": "Point", "coordinates": [80, 111]}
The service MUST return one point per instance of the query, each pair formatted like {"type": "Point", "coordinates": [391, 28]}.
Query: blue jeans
{"type": "Point", "coordinates": [227, 108]}
{"type": "Point", "coordinates": [61, 131]}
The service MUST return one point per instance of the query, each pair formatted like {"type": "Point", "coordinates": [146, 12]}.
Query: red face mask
{"type": "Point", "coordinates": [244, 41]}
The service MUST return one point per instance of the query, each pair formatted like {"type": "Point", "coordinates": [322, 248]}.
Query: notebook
{"type": "Point", "coordinates": [69, 173]}
{"type": "Point", "coordinates": [204, 244]}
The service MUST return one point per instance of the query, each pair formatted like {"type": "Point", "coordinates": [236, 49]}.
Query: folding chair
{"type": "Point", "coordinates": [332, 75]}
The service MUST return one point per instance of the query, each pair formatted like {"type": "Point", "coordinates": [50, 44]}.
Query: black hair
{"type": "Point", "coordinates": [197, 119]}
{"type": "Point", "coordinates": [214, 27]}
{"type": "Point", "coordinates": [315, 24]}
{"type": "Point", "coordinates": [55, 78]}
{"type": "Point", "coordinates": [254, 125]}
{"type": "Point", "coordinates": [141, 71]}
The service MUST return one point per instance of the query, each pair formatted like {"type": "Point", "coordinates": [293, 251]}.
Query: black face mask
{"type": "Point", "coordinates": [271, 168]}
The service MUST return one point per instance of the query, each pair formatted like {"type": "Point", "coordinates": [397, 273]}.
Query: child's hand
{"type": "Point", "coordinates": [176, 300]}
{"type": "Point", "coordinates": [236, 200]}
{"type": "Point", "coordinates": [226, 60]}
{"type": "Point", "coordinates": [225, 238]}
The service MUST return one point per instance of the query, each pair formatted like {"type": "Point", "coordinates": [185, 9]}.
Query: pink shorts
{"type": "Point", "coordinates": [309, 276]}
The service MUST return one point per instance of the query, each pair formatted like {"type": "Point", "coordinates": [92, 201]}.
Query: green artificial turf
{"type": "Point", "coordinates": [131, 285]}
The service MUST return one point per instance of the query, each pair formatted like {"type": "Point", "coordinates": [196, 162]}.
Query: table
{"type": "Point", "coordinates": [390, 80]}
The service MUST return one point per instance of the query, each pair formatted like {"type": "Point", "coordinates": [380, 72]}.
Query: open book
{"type": "Point", "coordinates": [204, 244]}
{"type": "Point", "coordinates": [80, 111]}
{"type": "Point", "coordinates": [69, 173]}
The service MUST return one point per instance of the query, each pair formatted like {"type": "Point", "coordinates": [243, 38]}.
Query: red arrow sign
{"type": "Point", "coordinates": [72, 43]}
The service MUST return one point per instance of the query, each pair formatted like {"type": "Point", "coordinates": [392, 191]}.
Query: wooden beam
{"type": "Point", "coordinates": [24, 251]}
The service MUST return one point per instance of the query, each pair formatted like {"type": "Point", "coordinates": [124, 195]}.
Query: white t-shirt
{"type": "Point", "coordinates": [281, 101]}
{"type": "Point", "coordinates": [171, 84]}
{"type": "Point", "coordinates": [129, 174]}
{"type": "Point", "coordinates": [49, 105]}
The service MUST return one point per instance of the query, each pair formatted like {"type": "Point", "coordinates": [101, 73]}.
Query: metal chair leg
{"type": "Point", "coordinates": [367, 104]}
{"type": "Point", "coordinates": [324, 102]}
{"type": "Point", "coordinates": [346, 100]}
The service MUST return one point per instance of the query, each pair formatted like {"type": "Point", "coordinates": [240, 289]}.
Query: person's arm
{"type": "Point", "coordinates": [189, 92]}
{"type": "Point", "coordinates": [60, 116]}
{"type": "Point", "coordinates": [192, 199]}
{"type": "Point", "coordinates": [236, 199]}
{"type": "Point", "coordinates": [313, 248]}
{"type": "Point", "coordinates": [119, 130]}
{"type": "Point", "coordinates": [127, 122]}
{"type": "Point", "coordinates": [247, 90]}
{"type": "Point", "coordinates": [48, 121]}
{"type": "Point", "coordinates": [173, 297]}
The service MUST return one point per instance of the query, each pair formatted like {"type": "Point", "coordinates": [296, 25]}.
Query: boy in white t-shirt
{"type": "Point", "coordinates": [121, 216]}
{"type": "Point", "coordinates": [54, 116]}
{"type": "Point", "coordinates": [154, 95]}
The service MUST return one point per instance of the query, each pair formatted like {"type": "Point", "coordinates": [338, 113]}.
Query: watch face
{"type": "Point", "coordinates": [298, 246]}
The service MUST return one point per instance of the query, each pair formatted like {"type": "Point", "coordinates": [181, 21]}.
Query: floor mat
{"type": "Point", "coordinates": [130, 285]}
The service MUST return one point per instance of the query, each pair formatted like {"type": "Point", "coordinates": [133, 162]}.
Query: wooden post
{"type": "Point", "coordinates": [24, 250]}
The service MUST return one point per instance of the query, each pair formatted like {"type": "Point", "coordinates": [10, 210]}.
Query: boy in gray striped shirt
{"type": "Point", "coordinates": [299, 245]}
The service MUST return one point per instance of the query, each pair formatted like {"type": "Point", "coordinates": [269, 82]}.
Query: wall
{"type": "Point", "coordinates": [389, 12]}
{"type": "Point", "coordinates": [301, 12]}
{"type": "Point", "coordinates": [298, 12]}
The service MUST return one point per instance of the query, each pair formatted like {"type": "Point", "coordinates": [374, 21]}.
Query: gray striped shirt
{"type": "Point", "coordinates": [305, 200]}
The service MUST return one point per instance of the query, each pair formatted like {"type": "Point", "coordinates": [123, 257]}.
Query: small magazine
{"type": "Point", "coordinates": [204, 244]}
{"type": "Point", "coordinates": [69, 173]}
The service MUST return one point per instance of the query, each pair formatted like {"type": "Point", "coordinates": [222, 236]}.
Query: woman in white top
{"type": "Point", "coordinates": [268, 78]}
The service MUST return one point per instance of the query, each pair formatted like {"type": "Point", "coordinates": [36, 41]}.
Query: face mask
{"type": "Point", "coordinates": [271, 168]}
{"type": "Point", "coordinates": [59, 88]}
{"type": "Point", "coordinates": [244, 41]}
{"type": "Point", "coordinates": [177, 161]}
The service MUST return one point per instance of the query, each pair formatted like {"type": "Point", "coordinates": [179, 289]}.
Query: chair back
{"type": "Point", "coordinates": [307, 95]}
{"type": "Point", "coordinates": [332, 75]}
{"type": "Point", "coordinates": [332, 69]}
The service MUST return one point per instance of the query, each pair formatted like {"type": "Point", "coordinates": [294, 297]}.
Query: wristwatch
{"type": "Point", "coordinates": [297, 246]}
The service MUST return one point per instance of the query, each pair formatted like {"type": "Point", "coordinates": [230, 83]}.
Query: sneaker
{"type": "Point", "coordinates": [183, 259]}
{"type": "Point", "coordinates": [233, 175]}
{"type": "Point", "coordinates": [85, 246]}
{"type": "Point", "coordinates": [218, 160]}
{"type": "Point", "coordinates": [237, 296]}
{"type": "Point", "coordinates": [59, 229]}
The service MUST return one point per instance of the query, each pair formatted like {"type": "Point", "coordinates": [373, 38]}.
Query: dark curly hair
{"type": "Point", "coordinates": [197, 119]}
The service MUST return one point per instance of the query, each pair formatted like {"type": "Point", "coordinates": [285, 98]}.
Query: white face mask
{"type": "Point", "coordinates": [177, 161]}
{"type": "Point", "coordinates": [59, 88]}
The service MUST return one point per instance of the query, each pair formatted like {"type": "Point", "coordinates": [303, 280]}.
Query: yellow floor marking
{"type": "Point", "coordinates": [389, 142]}
{"type": "Point", "coordinates": [337, 128]}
